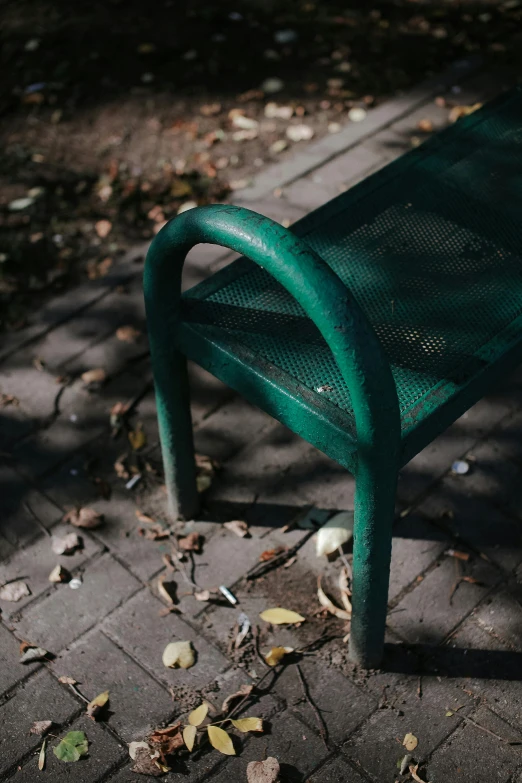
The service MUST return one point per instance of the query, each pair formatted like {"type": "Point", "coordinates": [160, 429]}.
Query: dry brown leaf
{"type": "Point", "coordinates": [202, 595]}
{"type": "Point", "coordinates": [276, 655]}
{"type": "Point", "coordinates": [67, 680]}
{"type": "Point", "coordinates": [64, 545]}
{"type": "Point", "coordinates": [97, 705]}
{"type": "Point", "coordinates": [413, 773]}
{"type": "Point", "coordinates": [14, 591]}
{"type": "Point", "coordinates": [341, 614]}
{"type": "Point", "coordinates": [426, 126]}
{"type": "Point", "coordinates": [41, 727]}
{"type": "Point", "coordinates": [266, 771]}
{"type": "Point", "coordinates": [206, 464]}
{"type": "Point", "coordinates": [269, 554]}
{"type": "Point", "coordinates": [144, 518]}
{"type": "Point", "coordinates": [103, 228]}
{"type": "Point", "coordinates": [120, 468]}
{"type": "Point", "coordinates": [238, 527]}
{"type": "Point", "coordinates": [280, 616]}
{"type": "Point", "coordinates": [155, 532]}
{"type": "Point", "coordinates": [97, 375]}
{"type": "Point", "coordinates": [9, 399]}
{"type": "Point", "coordinates": [84, 517]}
{"type": "Point", "coordinates": [245, 690]}
{"type": "Point", "coordinates": [167, 740]}
{"type": "Point", "coordinates": [128, 334]}
{"type": "Point", "coordinates": [145, 765]}
{"type": "Point", "coordinates": [462, 111]}
{"type": "Point", "coordinates": [191, 543]}
{"type": "Point", "coordinates": [167, 590]}
{"type": "Point", "coordinates": [59, 574]}
{"type": "Point", "coordinates": [410, 742]}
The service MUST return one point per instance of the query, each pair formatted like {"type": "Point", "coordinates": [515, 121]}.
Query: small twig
{"type": "Point", "coordinates": [180, 567]}
{"type": "Point", "coordinates": [419, 688]}
{"type": "Point", "coordinates": [255, 636]}
{"type": "Point", "coordinates": [261, 568]}
{"type": "Point", "coordinates": [38, 520]}
{"type": "Point", "coordinates": [488, 731]}
{"type": "Point", "coordinates": [77, 692]}
{"type": "Point", "coordinates": [323, 732]}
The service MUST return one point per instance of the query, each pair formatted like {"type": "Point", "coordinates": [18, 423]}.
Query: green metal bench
{"type": "Point", "coordinates": [367, 328]}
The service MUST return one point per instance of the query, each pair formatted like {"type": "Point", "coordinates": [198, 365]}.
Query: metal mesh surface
{"type": "Point", "coordinates": [433, 256]}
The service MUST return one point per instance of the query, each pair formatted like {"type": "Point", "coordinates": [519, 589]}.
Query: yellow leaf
{"type": "Point", "coordinates": [220, 740]}
{"type": "Point", "coordinates": [248, 724]}
{"type": "Point", "coordinates": [97, 704]}
{"type": "Point", "coordinates": [332, 608]}
{"type": "Point", "coordinates": [334, 533]}
{"type": "Point", "coordinates": [41, 757]}
{"type": "Point", "coordinates": [280, 616]}
{"type": "Point", "coordinates": [198, 715]}
{"type": "Point", "coordinates": [189, 736]}
{"type": "Point", "coordinates": [410, 742]}
{"type": "Point", "coordinates": [179, 654]}
{"type": "Point", "coordinates": [277, 654]}
{"type": "Point", "coordinates": [137, 438]}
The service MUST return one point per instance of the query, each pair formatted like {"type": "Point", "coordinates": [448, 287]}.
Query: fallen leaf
{"type": "Point", "coordinates": [276, 655]}
{"type": "Point", "coordinates": [410, 742]}
{"type": "Point", "coordinates": [97, 705]}
{"type": "Point", "coordinates": [462, 111]}
{"type": "Point", "coordinates": [266, 771]}
{"type": "Point", "coordinates": [84, 517]}
{"type": "Point", "coordinates": [155, 532]}
{"type": "Point", "coordinates": [72, 747]}
{"type": "Point", "coordinates": [59, 574]}
{"type": "Point", "coordinates": [64, 545]}
{"type": "Point", "coordinates": [191, 543]}
{"type": "Point", "coordinates": [269, 554]}
{"type": "Point", "coordinates": [202, 595]}
{"type": "Point", "coordinates": [9, 399]}
{"type": "Point", "coordinates": [238, 527]}
{"type": "Point", "coordinates": [198, 715]}
{"type": "Point", "coordinates": [245, 690]}
{"type": "Point", "coordinates": [41, 727]}
{"type": "Point", "coordinates": [167, 590]}
{"type": "Point", "coordinates": [67, 680]}
{"type": "Point", "coordinates": [34, 654]}
{"type": "Point", "coordinates": [167, 740]}
{"type": "Point", "coordinates": [133, 747]}
{"type": "Point", "coordinates": [426, 126]}
{"type": "Point", "coordinates": [94, 376]}
{"type": "Point", "coordinates": [345, 591]}
{"type": "Point", "coordinates": [128, 334]}
{"type": "Point", "coordinates": [336, 532]}
{"type": "Point", "coordinates": [248, 724]}
{"type": "Point", "coordinates": [299, 132]}
{"type": "Point", "coordinates": [357, 114]}
{"type": "Point", "coordinates": [280, 616]}
{"type": "Point", "coordinates": [220, 740]}
{"type": "Point", "coordinates": [103, 228]}
{"type": "Point", "coordinates": [14, 591]}
{"type": "Point", "coordinates": [459, 555]}
{"type": "Point", "coordinates": [413, 773]}
{"type": "Point", "coordinates": [290, 562]}
{"type": "Point", "coordinates": [137, 437]}
{"type": "Point", "coordinates": [341, 614]}
{"type": "Point", "coordinates": [179, 654]}
{"type": "Point", "coordinates": [144, 764]}
{"type": "Point", "coordinates": [203, 482]}
{"type": "Point", "coordinates": [189, 736]}
{"type": "Point", "coordinates": [120, 468]}
{"type": "Point", "coordinates": [41, 756]}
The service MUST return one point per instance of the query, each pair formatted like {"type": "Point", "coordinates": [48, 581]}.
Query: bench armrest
{"type": "Point", "coordinates": [314, 285]}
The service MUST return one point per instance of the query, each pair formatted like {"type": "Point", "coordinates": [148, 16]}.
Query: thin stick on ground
{"type": "Point", "coordinates": [255, 635]}
{"type": "Point", "coordinates": [323, 732]}
{"type": "Point", "coordinates": [261, 568]}
{"type": "Point", "coordinates": [491, 733]}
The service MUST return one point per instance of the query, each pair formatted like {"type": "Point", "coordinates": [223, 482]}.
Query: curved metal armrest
{"type": "Point", "coordinates": [319, 291]}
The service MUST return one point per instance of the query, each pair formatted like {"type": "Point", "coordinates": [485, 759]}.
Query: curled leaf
{"type": "Point", "coordinates": [280, 616]}
{"type": "Point", "coordinates": [32, 654]}
{"type": "Point", "coordinates": [133, 747]}
{"type": "Point", "coordinates": [341, 614]}
{"type": "Point", "coordinates": [410, 742]}
{"type": "Point", "coordinates": [59, 574]}
{"type": "Point", "coordinates": [84, 517]}
{"type": "Point", "coordinates": [191, 543]}
{"type": "Point", "coordinates": [238, 527]}
{"type": "Point", "coordinates": [97, 375]}
{"type": "Point", "coordinates": [245, 690]}
{"type": "Point", "coordinates": [345, 590]}
{"type": "Point", "coordinates": [96, 706]}
{"type": "Point", "coordinates": [248, 724]}
{"type": "Point", "coordinates": [276, 655]}
{"type": "Point", "coordinates": [179, 654]}
{"type": "Point", "coordinates": [266, 771]}
{"type": "Point", "coordinates": [166, 741]}
{"type": "Point", "coordinates": [41, 756]}
{"type": "Point", "coordinates": [198, 715]}
{"type": "Point", "coordinates": [40, 727]}
{"type": "Point", "coordinates": [167, 590]}
{"type": "Point", "coordinates": [64, 545]}
{"type": "Point", "coordinates": [189, 736]}
{"type": "Point", "coordinates": [220, 740]}
{"type": "Point", "coordinates": [336, 532]}
{"type": "Point", "coordinates": [14, 591]}
{"type": "Point", "coordinates": [72, 747]}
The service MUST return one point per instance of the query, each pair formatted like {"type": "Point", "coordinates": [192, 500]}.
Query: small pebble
{"type": "Point", "coordinates": [460, 467]}
{"type": "Point", "coordinates": [75, 583]}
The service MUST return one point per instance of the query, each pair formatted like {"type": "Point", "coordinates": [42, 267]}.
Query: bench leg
{"type": "Point", "coordinates": [175, 427]}
{"type": "Point", "coordinates": [373, 520]}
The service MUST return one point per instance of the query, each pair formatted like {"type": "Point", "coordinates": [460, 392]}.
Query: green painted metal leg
{"type": "Point", "coordinates": [175, 427]}
{"type": "Point", "coordinates": [374, 511]}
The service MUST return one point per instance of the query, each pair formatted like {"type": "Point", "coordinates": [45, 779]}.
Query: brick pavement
{"type": "Point", "coordinates": [453, 660]}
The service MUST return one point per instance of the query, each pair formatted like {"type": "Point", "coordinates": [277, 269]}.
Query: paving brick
{"type": "Point", "coordinates": [475, 521]}
{"type": "Point", "coordinates": [342, 705]}
{"type": "Point", "coordinates": [425, 615]}
{"type": "Point", "coordinates": [11, 671]}
{"type": "Point", "coordinates": [143, 634]}
{"type": "Point", "coordinates": [501, 615]}
{"type": "Point", "coordinates": [278, 209]}
{"type": "Point", "coordinates": [42, 698]}
{"type": "Point", "coordinates": [17, 525]}
{"type": "Point", "coordinates": [63, 616]}
{"type": "Point", "coordinates": [486, 667]}
{"type": "Point", "coordinates": [377, 745]}
{"type": "Point", "coordinates": [416, 545]}
{"type": "Point", "coordinates": [473, 756]}
{"type": "Point", "coordinates": [227, 430]}
{"type": "Point", "coordinates": [336, 771]}
{"type": "Point", "coordinates": [297, 749]}
{"type": "Point", "coordinates": [137, 703]}
{"type": "Point", "coordinates": [105, 753]}
{"type": "Point", "coordinates": [34, 564]}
